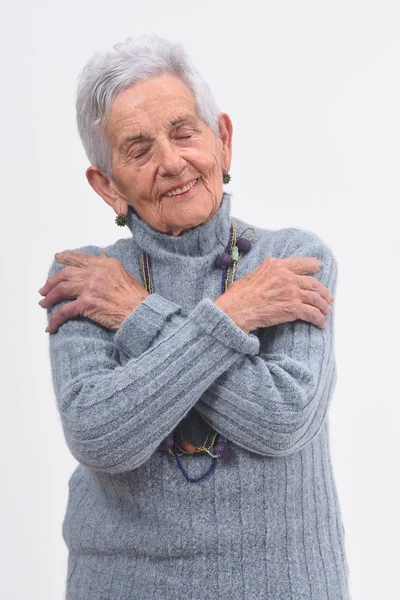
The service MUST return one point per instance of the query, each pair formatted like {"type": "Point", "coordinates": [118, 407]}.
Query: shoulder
{"type": "Point", "coordinates": [294, 241]}
{"type": "Point", "coordinates": [121, 249]}
{"type": "Point", "coordinates": [286, 242]}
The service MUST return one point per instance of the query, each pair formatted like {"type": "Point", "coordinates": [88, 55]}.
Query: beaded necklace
{"type": "Point", "coordinates": [228, 261]}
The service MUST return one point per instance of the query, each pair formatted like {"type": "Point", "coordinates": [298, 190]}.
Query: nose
{"type": "Point", "coordinates": [171, 163]}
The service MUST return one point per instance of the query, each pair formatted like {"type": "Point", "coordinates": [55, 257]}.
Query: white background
{"type": "Point", "coordinates": [313, 90]}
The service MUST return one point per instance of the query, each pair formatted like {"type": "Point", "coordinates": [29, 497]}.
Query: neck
{"type": "Point", "coordinates": [207, 238]}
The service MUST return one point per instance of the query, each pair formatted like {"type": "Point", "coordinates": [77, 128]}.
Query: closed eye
{"type": "Point", "coordinates": [141, 154]}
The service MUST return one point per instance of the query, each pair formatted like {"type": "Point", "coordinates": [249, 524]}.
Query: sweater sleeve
{"type": "Point", "coordinates": [275, 403]}
{"type": "Point", "coordinates": [113, 416]}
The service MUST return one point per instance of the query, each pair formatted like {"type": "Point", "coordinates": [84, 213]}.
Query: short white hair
{"type": "Point", "coordinates": [106, 74]}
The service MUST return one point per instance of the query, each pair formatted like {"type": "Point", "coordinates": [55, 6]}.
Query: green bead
{"type": "Point", "coordinates": [234, 253]}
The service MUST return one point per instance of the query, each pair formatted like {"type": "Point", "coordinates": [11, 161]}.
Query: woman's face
{"type": "Point", "coordinates": [159, 144]}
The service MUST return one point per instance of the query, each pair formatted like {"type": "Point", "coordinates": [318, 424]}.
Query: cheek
{"type": "Point", "coordinates": [207, 162]}
{"type": "Point", "coordinates": [138, 181]}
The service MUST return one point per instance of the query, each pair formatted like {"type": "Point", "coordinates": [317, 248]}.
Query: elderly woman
{"type": "Point", "coordinates": [193, 362]}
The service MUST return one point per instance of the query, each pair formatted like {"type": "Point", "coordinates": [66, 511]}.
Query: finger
{"type": "Point", "coordinates": [65, 289]}
{"type": "Point", "coordinates": [303, 264]}
{"type": "Point", "coordinates": [74, 258]}
{"type": "Point", "coordinates": [311, 314]}
{"type": "Point", "coordinates": [67, 273]}
{"type": "Point", "coordinates": [67, 311]}
{"type": "Point", "coordinates": [311, 283]}
{"type": "Point", "coordinates": [315, 299]}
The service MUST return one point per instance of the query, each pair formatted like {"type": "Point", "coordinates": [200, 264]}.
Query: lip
{"type": "Point", "coordinates": [180, 185]}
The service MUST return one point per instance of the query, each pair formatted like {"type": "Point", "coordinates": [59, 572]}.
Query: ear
{"type": "Point", "coordinates": [225, 131]}
{"type": "Point", "coordinates": [107, 189]}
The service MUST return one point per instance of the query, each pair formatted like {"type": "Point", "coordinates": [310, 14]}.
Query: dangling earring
{"type": "Point", "coordinates": [226, 178]}
{"type": "Point", "coordinates": [120, 220]}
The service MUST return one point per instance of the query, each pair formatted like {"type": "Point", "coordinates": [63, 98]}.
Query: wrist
{"type": "Point", "coordinates": [230, 307]}
{"type": "Point", "coordinates": [131, 306]}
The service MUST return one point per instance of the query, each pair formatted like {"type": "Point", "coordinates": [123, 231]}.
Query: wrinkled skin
{"type": "Point", "coordinates": [105, 292]}
{"type": "Point", "coordinates": [174, 147]}
{"type": "Point", "coordinates": [278, 291]}
{"type": "Point", "coordinates": [166, 156]}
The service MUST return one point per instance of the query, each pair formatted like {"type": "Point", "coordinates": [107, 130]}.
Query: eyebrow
{"type": "Point", "coordinates": [141, 137]}
{"type": "Point", "coordinates": [183, 119]}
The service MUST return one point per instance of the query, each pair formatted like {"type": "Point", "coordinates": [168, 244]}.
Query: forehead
{"type": "Point", "coordinates": [149, 105]}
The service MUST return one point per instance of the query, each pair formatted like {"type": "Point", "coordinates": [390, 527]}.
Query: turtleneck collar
{"type": "Point", "coordinates": [207, 238]}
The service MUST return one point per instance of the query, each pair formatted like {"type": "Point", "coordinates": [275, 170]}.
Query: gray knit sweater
{"type": "Point", "coordinates": [266, 523]}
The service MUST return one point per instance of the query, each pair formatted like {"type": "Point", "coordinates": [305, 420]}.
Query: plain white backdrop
{"type": "Point", "coordinates": [313, 90]}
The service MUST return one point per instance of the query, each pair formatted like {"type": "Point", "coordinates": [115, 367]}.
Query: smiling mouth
{"type": "Point", "coordinates": [183, 190]}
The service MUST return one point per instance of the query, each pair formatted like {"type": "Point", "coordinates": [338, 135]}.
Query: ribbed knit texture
{"type": "Point", "coordinates": [266, 524]}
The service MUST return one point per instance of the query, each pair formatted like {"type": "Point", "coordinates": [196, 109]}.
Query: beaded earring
{"type": "Point", "coordinates": [226, 177]}
{"type": "Point", "coordinates": [120, 220]}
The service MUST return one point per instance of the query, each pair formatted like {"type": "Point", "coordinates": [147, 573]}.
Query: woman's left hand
{"type": "Point", "coordinates": [104, 291]}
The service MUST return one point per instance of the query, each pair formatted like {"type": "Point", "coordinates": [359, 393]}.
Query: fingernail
{"type": "Point", "coordinates": [47, 329]}
{"type": "Point", "coordinates": [40, 302]}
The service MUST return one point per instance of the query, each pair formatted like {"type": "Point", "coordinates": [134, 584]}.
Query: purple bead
{"type": "Point", "coordinates": [166, 444]}
{"type": "Point", "coordinates": [244, 244]}
{"type": "Point", "coordinates": [223, 260]}
{"type": "Point", "coordinates": [221, 449]}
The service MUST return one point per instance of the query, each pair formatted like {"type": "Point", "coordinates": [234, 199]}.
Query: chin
{"type": "Point", "coordinates": [192, 221]}
{"type": "Point", "coordinates": [184, 229]}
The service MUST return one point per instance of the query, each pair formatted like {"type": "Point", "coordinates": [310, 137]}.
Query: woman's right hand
{"type": "Point", "coordinates": [277, 291]}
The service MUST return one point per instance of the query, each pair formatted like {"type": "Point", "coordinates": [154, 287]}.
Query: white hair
{"type": "Point", "coordinates": [106, 74]}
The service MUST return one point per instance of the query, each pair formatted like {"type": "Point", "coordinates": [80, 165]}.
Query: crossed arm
{"type": "Point", "coordinates": [269, 394]}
